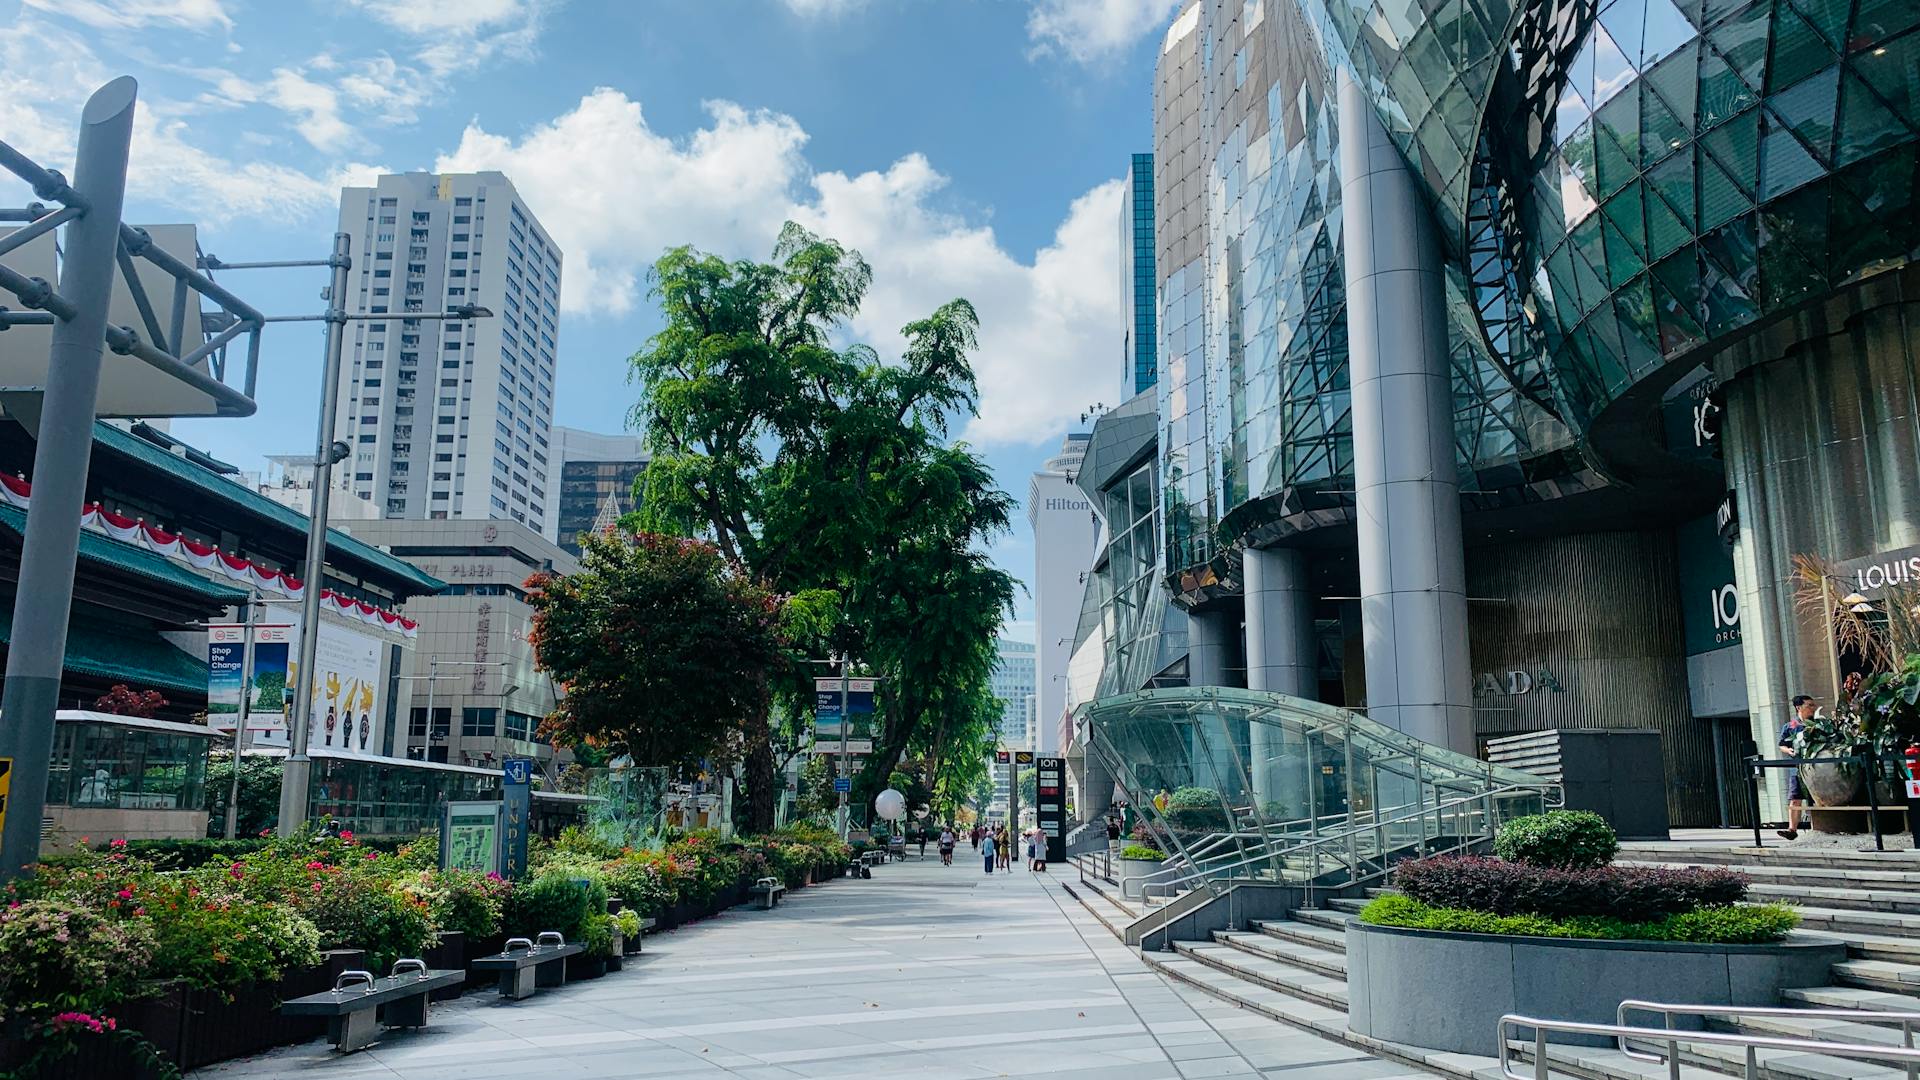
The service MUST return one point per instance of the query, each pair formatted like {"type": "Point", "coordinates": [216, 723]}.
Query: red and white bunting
{"type": "Point", "coordinates": [18, 492]}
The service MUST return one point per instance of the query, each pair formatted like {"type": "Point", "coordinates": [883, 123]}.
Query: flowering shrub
{"type": "Point", "coordinates": [1510, 888]}
{"type": "Point", "coordinates": [459, 900]}
{"type": "Point", "coordinates": [60, 956]}
{"type": "Point", "coordinates": [359, 910]}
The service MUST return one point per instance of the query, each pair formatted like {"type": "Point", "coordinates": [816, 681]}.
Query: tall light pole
{"type": "Point", "coordinates": [846, 721]}
{"type": "Point", "coordinates": [37, 654]}
{"type": "Point", "coordinates": [296, 776]}
{"type": "Point", "coordinates": [240, 738]}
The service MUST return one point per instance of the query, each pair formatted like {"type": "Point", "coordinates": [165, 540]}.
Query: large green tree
{"type": "Point", "coordinates": [819, 466]}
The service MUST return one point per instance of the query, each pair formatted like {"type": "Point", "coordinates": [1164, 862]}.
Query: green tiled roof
{"type": "Point", "coordinates": [106, 551]}
{"type": "Point", "coordinates": [139, 657]}
{"type": "Point", "coordinates": [341, 548]}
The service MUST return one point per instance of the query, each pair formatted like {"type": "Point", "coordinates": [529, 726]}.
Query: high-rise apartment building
{"type": "Point", "coordinates": [1140, 365]}
{"type": "Point", "coordinates": [1065, 536]}
{"type": "Point", "coordinates": [585, 470]}
{"type": "Point", "coordinates": [1012, 683]}
{"type": "Point", "coordinates": [449, 419]}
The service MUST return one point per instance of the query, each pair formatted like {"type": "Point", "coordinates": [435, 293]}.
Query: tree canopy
{"type": "Point", "coordinates": [819, 467]}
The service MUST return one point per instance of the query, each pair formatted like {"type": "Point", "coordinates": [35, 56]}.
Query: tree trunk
{"type": "Point", "coordinates": [762, 782]}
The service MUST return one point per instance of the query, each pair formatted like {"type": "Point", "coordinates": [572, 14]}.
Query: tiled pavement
{"type": "Point", "coordinates": [924, 971]}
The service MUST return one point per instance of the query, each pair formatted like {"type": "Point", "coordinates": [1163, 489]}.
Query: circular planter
{"type": "Point", "coordinates": [1447, 991]}
{"type": "Point", "coordinates": [1830, 785]}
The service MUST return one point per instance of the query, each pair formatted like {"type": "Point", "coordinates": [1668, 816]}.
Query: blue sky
{"type": "Point", "coordinates": [967, 147]}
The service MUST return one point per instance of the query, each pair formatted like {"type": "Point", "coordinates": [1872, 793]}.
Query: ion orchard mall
{"type": "Point", "coordinates": [1505, 368]}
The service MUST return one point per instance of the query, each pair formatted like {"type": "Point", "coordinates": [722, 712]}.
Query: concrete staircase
{"type": "Point", "coordinates": [1294, 970]}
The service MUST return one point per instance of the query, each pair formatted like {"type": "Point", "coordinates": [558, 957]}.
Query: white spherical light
{"type": "Point", "coordinates": [890, 805]}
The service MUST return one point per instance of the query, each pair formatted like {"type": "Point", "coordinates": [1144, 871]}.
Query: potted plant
{"type": "Point", "coordinates": [1835, 735]}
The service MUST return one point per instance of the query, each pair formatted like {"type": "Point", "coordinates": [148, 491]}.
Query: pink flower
{"type": "Point", "coordinates": [234, 871]}
{"type": "Point", "coordinates": [316, 865]}
{"type": "Point", "coordinates": [346, 835]}
{"type": "Point", "coordinates": [116, 843]}
{"type": "Point", "coordinates": [125, 894]}
{"type": "Point", "coordinates": [373, 855]}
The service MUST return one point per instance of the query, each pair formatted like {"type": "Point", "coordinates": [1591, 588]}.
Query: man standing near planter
{"type": "Point", "coordinates": [1803, 710]}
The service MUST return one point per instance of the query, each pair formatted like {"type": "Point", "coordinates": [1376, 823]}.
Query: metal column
{"type": "Point", "coordinates": [1283, 654]}
{"type": "Point", "coordinates": [36, 655]}
{"type": "Point", "coordinates": [1209, 647]}
{"type": "Point", "coordinates": [1413, 599]}
{"type": "Point", "coordinates": [297, 774]}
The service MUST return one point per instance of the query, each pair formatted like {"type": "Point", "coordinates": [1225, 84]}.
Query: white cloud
{"type": "Point", "coordinates": [201, 15]}
{"type": "Point", "coordinates": [614, 193]}
{"type": "Point", "coordinates": [317, 95]}
{"type": "Point", "coordinates": [46, 75]}
{"type": "Point", "coordinates": [1088, 31]}
{"type": "Point", "coordinates": [830, 9]}
{"type": "Point", "coordinates": [461, 35]}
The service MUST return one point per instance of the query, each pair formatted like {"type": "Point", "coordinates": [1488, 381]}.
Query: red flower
{"type": "Point", "coordinates": [116, 843]}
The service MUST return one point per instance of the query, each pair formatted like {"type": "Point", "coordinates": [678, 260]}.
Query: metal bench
{"type": "Point", "coordinates": [526, 965]}
{"type": "Point", "coordinates": [766, 892]}
{"type": "Point", "coordinates": [353, 1007]}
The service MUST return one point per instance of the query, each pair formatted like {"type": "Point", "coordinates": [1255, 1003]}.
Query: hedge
{"type": "Point", "coordinates": [1743, 924]}
{"type": "Point", "coordinates": [1499, 887]}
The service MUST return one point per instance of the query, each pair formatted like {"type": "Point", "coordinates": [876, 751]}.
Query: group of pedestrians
{"type": "Point", "coordinates": [995, 846]}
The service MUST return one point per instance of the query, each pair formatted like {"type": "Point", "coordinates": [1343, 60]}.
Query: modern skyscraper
{"type": "Point", "coordinates": [1012, 683]}
{"type": "Point", "coordinates": [449, 419]}
{"type": "Point", "coordinates": [586, 469]}
{"type": "Point", "coordinates": [1140, 367]}
{"type": "Point", "coordinates": [1065, 533]}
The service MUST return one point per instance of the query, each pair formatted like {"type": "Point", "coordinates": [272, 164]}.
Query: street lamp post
{"type": "Point", "coordinates": [297, 775]}
{"type": "Point", "coordinates": [240, 723]}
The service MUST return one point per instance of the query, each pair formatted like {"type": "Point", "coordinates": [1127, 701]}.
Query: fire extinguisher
{"type": "Point", "coordinates": [1913, 793]}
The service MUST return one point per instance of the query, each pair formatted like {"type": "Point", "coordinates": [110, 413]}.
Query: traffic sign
{"type": "Point", "coordinates": [843, 783]}
{"type": "Point", "coordinates": [1000, 756]}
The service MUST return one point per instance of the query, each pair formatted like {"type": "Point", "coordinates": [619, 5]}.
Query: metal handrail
{"type": "Point", "coordinates": [1752, 1044]}
{"type": "Point", "coordinates": [1344, 836]}
{"type": "Point", "coordinates": [1668, 1011]}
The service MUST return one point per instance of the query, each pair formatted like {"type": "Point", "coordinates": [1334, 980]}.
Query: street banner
{"type": "Point", "coordinates": [516, 797]}
{"type": "Point", "coordinates": [345, 693]}
{"type": "Point", "coordinates": [270, 691]}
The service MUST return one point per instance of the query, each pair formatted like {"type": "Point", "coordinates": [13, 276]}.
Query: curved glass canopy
{"type": "Point", "coordinates": [1250, 785]}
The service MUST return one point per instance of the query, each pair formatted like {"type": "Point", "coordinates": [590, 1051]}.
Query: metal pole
{"type": "Point", "coordinates": [297, 774]}
{"type": "Point", "coordinates": [36, 656]}
{"type": "Point", "coordinates": [433, 676]}
{"type": "Point", "coordinates": [240, 738]}
{"type": "Point", "coordinates": [846, 825]}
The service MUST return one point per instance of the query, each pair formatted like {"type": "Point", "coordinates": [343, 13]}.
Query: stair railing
{"type": "Point", "coordinates": [1509, 1042]}
{"type": "Point", "coordinates": [1667, 1012]}
{"type": "Point", "coordinates": [1343, 842]}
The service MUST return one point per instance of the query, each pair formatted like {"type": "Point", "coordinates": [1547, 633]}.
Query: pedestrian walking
{"type": "Point", "coordinates": [947, 840]}
{"type": "Point", "coordinates": [1003, 845]}
{"type": "Point", "coordinates": [974, 834]}
{"type": "Point", "coordinates": [1790, 732]}
{"type": "Point", "coordinates": [987, 850]}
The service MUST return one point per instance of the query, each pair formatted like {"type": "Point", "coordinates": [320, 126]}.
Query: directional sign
{"type": "Point", "coordinates": [516, 817]}
{"type": "Point", "coordinates": [843, 783]}
{"type": "Point", "coordinates": [1022, 757]}
{"type": "Point", "coordinates": [518, 770]}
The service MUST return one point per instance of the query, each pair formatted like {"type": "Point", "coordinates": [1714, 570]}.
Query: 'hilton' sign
{"type": "Point", "coordinates": [1064, 504]}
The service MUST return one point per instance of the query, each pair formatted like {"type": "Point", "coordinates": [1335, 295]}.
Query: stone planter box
{"type": "Point", "coordinates": [1447, 991]}
{"type": "Point", "coordinates": [1131, 870]}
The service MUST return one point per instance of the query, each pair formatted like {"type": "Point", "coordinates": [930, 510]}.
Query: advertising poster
{"type": "Point", "coordinates": [271, 688]}
{"type": "Point", "coordinates": [826, 708]}
{"type": "Point", "coordinates": [345, 693]}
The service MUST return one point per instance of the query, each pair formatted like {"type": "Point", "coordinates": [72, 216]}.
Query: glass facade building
{"type": "Point", "coordinates": [1669, 245]}
{"type": "Point", "coordinates": [1140, 370]}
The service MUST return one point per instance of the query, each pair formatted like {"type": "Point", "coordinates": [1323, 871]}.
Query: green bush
{"type": "Point", "coordinates": [1142, 852]}
{"type": "Point", "coordinates": [361, 911]}
{"type": "Point", "coordinates": [58, 956]}
{"type": "Point", "coordinates": [1569, 839]}
{"type": "Point", "coordinates": [558, 900]}
{"type": "Point", "coordinates": [1196, 808]}
{"type": "Point", "coordinates": [1736, 925]}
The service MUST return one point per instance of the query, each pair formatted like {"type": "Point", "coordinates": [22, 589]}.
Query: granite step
{"type": "Point", "coordinates": [1309, 957]}
{"type": "Point", "coordinates": [1811, 876]}
{"type": "Point", "coordinates": [1827, 1028]}
{"type": "Point", "coordinates": [1608, 1063]}
{"type": "Point", "coordinates": [1847, 921]}
{"type": "Point", "coordinates": [1349, 906]}
{"type": "Point", "coordinates": [1884, 975]}
{"type": "Point", "coordinates": [1749, 857]}
{"type": "Point", "coordinates": [1864, 899]}
{"type": "Point", "coordinates": [1313, 986]}
{"type": "Point", "coordinates": [1321, 917]}
{"type": "Point", "coordinates": [1109, 914]}
{"type": "Point", "coordinates": [1305, 933]}
{"type": "Point", "coordinates": [1851, 997]}
{"type": "Point", "coordinates": [1782, 1064]}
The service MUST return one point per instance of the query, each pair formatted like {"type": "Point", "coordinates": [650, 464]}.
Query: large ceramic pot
{"type": "Point", "coordinates": [1831, 785]}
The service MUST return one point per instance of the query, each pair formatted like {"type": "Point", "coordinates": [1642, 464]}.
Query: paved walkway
{"type": "Point", "coordinates": [925, 971]}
